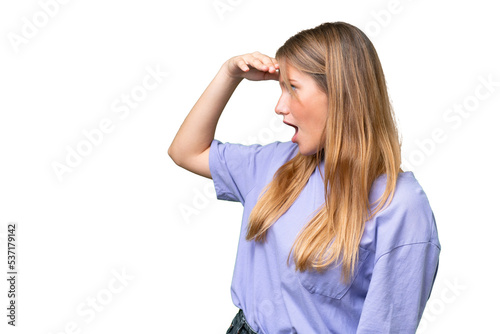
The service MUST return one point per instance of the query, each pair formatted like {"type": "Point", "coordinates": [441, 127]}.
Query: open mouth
{"type": "Point", "coordinates": [294, 138]}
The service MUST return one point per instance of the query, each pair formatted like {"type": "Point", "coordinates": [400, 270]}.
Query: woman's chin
{"type": "Point", "coordinates": [306, 151]}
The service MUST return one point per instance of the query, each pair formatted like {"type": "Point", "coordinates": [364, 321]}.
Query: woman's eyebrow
{"type": "Point", "coordinates": [290, 80]}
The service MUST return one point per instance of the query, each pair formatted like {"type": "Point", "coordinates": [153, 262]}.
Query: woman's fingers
{"type": "Point", "coordinates": [255, 62]}
{"type": "Point", "coordinates": [242, 64]}
{"type": "Point", "coordinates": [254, 66]}
{"type": "Point", "coordinates": [267, 63]}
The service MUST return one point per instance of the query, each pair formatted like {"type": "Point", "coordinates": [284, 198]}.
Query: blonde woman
{"type": "Point", "coordinates": [335, 237]}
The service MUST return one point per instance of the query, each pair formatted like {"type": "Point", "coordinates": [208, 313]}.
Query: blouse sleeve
{"type": "Point", "coordinates": [236, 168]}
{"type": "Point", "coordinates": [401, 284]}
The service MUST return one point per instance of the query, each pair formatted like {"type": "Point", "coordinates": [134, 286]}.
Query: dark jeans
{"type": "Point", "coordinates": [239, 325]}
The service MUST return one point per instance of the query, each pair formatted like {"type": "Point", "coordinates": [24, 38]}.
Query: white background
{"type": "Point", "coordinates": [126, 207]}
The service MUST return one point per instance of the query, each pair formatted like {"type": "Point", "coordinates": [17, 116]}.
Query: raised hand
{"type": "Point", "coordinates": [252, 66]}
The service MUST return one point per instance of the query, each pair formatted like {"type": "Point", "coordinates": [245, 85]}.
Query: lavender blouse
{"type": "Point", "coordinates": [398, 260]}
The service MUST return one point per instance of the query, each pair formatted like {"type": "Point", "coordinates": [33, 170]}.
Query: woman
{"type": "Point", "coordinates": [335, 237]}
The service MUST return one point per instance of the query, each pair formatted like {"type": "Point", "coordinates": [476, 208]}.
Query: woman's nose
{"type": "Point", "coordinates": [281, 107]}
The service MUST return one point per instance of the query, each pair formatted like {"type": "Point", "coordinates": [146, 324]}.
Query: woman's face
{"type": "Point", "coordinates": [306, 112]}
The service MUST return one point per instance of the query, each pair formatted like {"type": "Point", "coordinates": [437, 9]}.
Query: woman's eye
{"type": "Point", "coordinates": [293, 87]}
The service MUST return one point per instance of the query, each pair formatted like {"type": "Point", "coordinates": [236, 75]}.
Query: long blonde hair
{"type": "Point", "coordinates": [361, 142]}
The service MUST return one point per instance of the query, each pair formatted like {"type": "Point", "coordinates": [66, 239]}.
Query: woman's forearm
{"type": "Point", "coordinates": [198, 129]}
{"type": "Point", "coordinates": [191, 145]}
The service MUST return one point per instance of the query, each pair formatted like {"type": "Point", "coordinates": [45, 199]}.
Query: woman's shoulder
{"type": "Point", "coordinates": [408, 194]}
{"type": "Point", "coordinates": [407, 220]}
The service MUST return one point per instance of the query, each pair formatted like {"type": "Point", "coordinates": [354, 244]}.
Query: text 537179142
{"type": "Point", "coordinates": [11, 274]}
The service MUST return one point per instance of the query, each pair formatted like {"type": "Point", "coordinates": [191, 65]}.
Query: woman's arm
{"type": "Point", "coordinates": [400, 286]}
{"type": "Point", "coordinates": [191, 145]}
